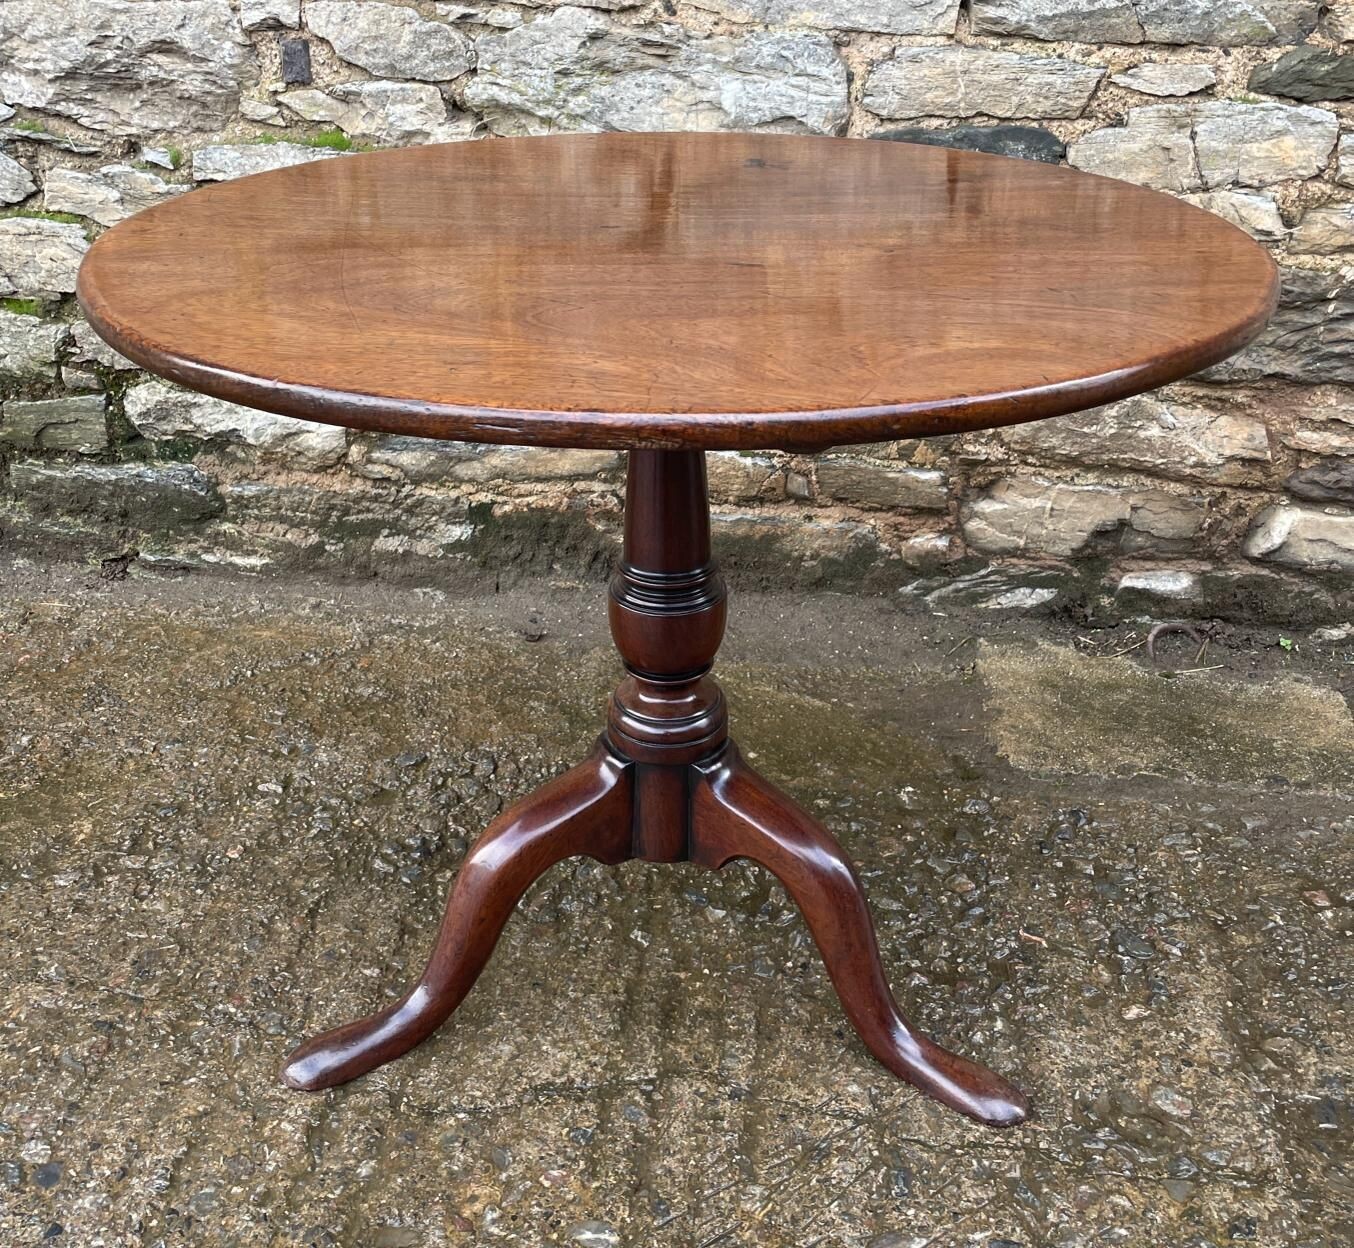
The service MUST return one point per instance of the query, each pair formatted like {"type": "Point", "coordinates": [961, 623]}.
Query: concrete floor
{"type": "Point", "coordinates": [229, 811]}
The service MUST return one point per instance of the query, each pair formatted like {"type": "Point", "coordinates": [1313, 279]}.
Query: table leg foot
{"type": "Point", "coordinates": [737, 814]}
{"type": "Point", "coordinates": [585, 811]}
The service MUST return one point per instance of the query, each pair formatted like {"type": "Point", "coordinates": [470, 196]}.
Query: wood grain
{"type": "Point", "coordinates": [675, 290]}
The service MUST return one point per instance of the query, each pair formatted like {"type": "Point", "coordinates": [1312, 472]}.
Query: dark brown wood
{"type": "Point", "coordinates": [667, 610]}
{"type": "Point", "coordinates": [584, 811]}
{"type": "Point", "coordinates": [661, 815]}
{"type": "Point", "coordinates": [675, 290]}
{"type": "Point", "coordinates": [737, 814]}
{"type": "Point", "coordinates": [665, 785]}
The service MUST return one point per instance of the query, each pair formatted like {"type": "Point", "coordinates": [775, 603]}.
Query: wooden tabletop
{"type": "Point", "coordinates": [675, 290]}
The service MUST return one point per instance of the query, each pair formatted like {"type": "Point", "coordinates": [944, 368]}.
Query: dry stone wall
{"type": "Point", "coordinates": [1231, 493]}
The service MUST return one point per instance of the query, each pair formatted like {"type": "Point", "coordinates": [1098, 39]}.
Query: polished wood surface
{"type": "Point", "coordinates": [664, 785]}
{"type": "Point", "coordinates": [675, 290]}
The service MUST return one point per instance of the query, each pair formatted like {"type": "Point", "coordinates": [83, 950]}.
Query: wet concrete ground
{"type": "Point", "coordinates": [229, 811]}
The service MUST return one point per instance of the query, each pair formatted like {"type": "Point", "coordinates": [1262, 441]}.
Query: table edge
{"type": "Point", "coordinates": [807, 430]}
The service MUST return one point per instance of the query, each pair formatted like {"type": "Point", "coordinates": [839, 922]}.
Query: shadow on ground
{"type": "Point", "coordinates": [229, 812]}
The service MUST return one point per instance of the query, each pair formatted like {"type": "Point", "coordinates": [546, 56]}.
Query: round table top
{"type": "Point", "coordinates": [675, 290]}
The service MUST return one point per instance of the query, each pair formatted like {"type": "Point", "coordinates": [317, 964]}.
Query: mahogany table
{"type": "Point", "coordinates": [667, 294]}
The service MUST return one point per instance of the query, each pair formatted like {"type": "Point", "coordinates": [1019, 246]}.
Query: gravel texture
{"type": "Point", "coordinates": [229, 811]}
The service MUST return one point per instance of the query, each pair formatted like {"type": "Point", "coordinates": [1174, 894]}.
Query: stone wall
{"type": "Point", "coordinates": [1230, 494]}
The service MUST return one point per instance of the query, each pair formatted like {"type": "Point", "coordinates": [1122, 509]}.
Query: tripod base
{"type": "Point", "coordinates": [665, 784]}
{"type": "Point", "coordinates": [732, 813]}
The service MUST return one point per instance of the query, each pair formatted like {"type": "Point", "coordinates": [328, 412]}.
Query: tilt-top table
{"type": "Point", "coordinates": [666, 295]}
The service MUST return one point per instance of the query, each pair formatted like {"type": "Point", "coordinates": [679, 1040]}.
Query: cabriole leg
{"type": "Point", "coordinates": [737, 814]}
{"type": "Point", "coordinates": [584, 811]}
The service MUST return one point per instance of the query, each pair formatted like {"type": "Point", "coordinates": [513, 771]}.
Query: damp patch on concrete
{"type": "Point", "coordinates": [1053, 710]}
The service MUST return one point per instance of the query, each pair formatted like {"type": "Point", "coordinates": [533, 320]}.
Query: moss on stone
{"type": "Point", "coordinates": [334, 139]}
{"type": "Point", "coordinates": [176, 450]}
{"type": "Point", "coordinates": [38, 214]}
{"type": "Point", "coordinates": [115, 383]}
{"type": "Point", "coordinates": [23, 307]}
